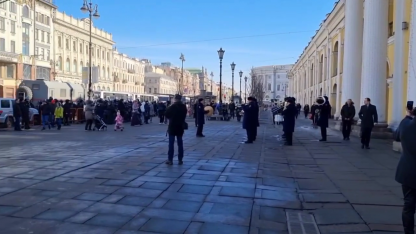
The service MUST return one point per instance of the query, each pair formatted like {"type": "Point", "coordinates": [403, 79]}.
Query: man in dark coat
{"type": "Point", "coordinates": [176, 113]}
{"type": "Point", "coordinates": [24, 107]}
{"type": "Point", "coordinates": [406, 169]}
{"type": "Point", "coordinates": [289, 114]}
{"type": "Point", "coordinates": [256, 106]}
{"type": "Point", "coordinates": [250, 120]}
{"type": "Point", "coordinates": [67, 112]}
{"type": "Point", "coordinates": [200, 117]}
{"type": "Point", "coordinates": [17, 114]}
{"type": "Point", "coordinates": [368, 116]}
{"type": "Point", "coordinates": [146, 112]}
{"type": "Point", "coordinates": [195, 113]}
{"type": "Point", "coordinates": [232, 109]}
{"type": "Point", "coordinates": [323, 120]}
{"type": "Point", "coordinates": [347, 116]}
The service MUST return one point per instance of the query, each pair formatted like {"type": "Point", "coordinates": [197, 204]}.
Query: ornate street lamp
{"type": "Point", "coordinates": [212, 78]}
{"type": "Point", "coordinates": [241, 75]}
{"type": "Point", "coordinates": [232, 81]}
{"type": "Point", "coordinates": [245, 87]}
{"type": "Point", "coordinates": [221, 56]}
{"type": "Point", "coordinates": [182, 58]}
{"type": "Point", "coordinates": [93, 12]}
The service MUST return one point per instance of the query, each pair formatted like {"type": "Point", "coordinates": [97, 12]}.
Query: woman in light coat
{"type": "Point", "coordinates": [89, 116]}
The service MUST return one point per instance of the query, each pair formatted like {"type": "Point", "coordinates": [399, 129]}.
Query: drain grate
{"type": "Point", "coordinates": [301, 223]}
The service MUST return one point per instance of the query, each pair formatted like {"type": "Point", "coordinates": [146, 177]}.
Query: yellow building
{"type": "Point", "coordinates": [362, 49]}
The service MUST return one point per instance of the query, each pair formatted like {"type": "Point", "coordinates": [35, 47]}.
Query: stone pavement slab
{"type": "Point", "coordinates": [71, 181]}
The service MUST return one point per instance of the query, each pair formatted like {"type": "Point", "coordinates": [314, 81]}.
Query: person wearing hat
{"type": "Point", "coordinates": [200, 117]}
{"type": "Point", "coordinates": [250, 120]}
{"type": "Point", "coordinates": [289, 114]}
{"type": "Point", "coordinates": [176, 113]}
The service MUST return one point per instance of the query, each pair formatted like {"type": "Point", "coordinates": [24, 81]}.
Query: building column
{"type": "Point", "coordinates": [398, 65]}
{"type": "Point", "coordinates": [351, 80]}
{"type": "Point", "coordinates": [411, 70]}
{"type": "Point", "coordinates": [338, 79]}
{"type": "Point", "coordinates": [373, 82]}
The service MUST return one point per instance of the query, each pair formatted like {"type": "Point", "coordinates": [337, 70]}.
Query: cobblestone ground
{"type": "Point", "coordinates": [71, 181]}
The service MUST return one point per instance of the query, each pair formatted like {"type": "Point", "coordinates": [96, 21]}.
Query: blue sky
{"type": "Point", "coordinates": [155, 29]}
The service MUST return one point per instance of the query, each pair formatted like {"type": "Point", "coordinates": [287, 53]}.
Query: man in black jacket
{"type": "Point", "coordinates": [347, 116]}
{"type": "Point", "coordinates": [406, 170]}
{"type": "Point", "coordinates": [17, 114]}
{"type": "Point", "coordinates": [368, 116]}
{"type": "Point", "coordinates": [200, 117]}
{"type": "Point", "coordinates": [176, 113]}
{"type": "Point", "coordinates": [290, 112]}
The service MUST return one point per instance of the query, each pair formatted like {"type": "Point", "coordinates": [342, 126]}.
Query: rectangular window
{"type": "Point", "coordinates": [155, 89]}
{"type": "Point", "coordinates": [60, 41]}
{"type": "Point", "coordinates": [2, 44]}
{"type": "Point", "coordinates": [48, 38]}
{"type": "Point", "coordinates": [10, 71]}
{"type": "Point", "coordinates": [2, 24]}
{"type": "Point", "coordinates": [80, 48]}
{"type": "Point", "coordinates": [43, 36]}
{"type": "Point", "coordinates": [26, 38]}
{"type": "Point", "coordinates": [35, 86]}
{"type": "Point", "coordinates": [12, 7]}
{"type": "Point", "coordinates": [42, 54]}
{"type": "Point", "coordinates": [3, 5]}
{"type": "Point", "coordinates": [74, 46]}
{"type": "Point", "coordinates": [37, 16]}
{"type": "Point", "coordinates": [42, 18]}
{"type": "Point", "coordinates": [13, 26]}
{"type": "Point", "coordinates": [48, 55]}
{"type": "Point", "coordinates": [37, 34]}
{"type": "Point", "coordinates": [13, 46]}
{"type": "Point", "coordinates": [5, 104]}
{"type": "Point", "coordinates": [67, 44]}
{"type": "Point", "coordinates": [48, 20]}
{"type": "Point", "coordinates": [37, 51]}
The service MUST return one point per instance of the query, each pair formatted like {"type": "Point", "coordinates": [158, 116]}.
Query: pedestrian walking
{"type": "Point", "coordinates": [369, 117]}
{"type": "Point", "coordinates": [347, 117]}
{"type": "Point", "coordinates": [59, 115]}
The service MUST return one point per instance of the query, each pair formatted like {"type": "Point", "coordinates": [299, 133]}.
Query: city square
{"type": "Point", "coordinates": [117, 182]}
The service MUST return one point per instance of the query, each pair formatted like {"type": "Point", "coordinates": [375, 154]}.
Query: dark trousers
{"type": "Point", "coordinates": [273, 115]}
{"type": "Point", "coordinates": [88, 124]}
{"type": "Point", "coordinates": [199, 129]}
{"type": "Point", "coordinates": [66, 118]}
{"type": "Point", "coordinates": [58, 123]}
{"type": "Point", "coordinates": [251, 134]}
{"type": "Point", "coordinates": [408, 213]}
{"type": "Point", "coordinates": [289, 138]}
{"type": "Point", "coordinates": [26, 122]}
{"type": "Point", "coordinates": [232, 114]}
{"type": "Point", "coordinates": [365, 136]}
{"type": "Point", "coordinates": [17, 126]}
{"type": "Point", "coordinates": [346, 128]}
{"type": "Point", "coordinates": [172, 147]}
{"type": "Point", "coordinates": [255, 133]}
{"type": "Point", "coordinates": [306, 114]}
{"type": "Point", "coordinates": [196, 122]}
{"type": "Point", "coordinates": [323, 133]}
{"type": "Point", "coordinates": [161, 117]}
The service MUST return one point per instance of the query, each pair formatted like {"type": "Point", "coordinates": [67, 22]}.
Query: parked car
{"type": "Point", "coordinates": [6, 112]}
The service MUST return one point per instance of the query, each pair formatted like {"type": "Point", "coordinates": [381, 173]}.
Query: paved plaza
{"type": "Point", "coordinates": [73, 182]}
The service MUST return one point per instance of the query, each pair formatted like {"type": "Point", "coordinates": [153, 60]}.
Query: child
{"type": "Point", "coordinates": [119, 122]}
{"type": "Point", "coordinates": [59, 115]}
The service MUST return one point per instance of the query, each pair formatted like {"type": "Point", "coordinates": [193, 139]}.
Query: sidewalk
{"type": "Point", "coordinates": [112, 182]}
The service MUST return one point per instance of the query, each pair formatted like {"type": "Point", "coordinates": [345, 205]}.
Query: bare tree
{"type": "Point", "coordinates": [256, 87]}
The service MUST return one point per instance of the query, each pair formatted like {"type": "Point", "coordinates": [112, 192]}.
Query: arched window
{"type": "Point", "coordinates": [59, 63]}
{"type": "Point", "coordinates": [74, 66]}
{"type": "Point", "coordinates": [67, 65]}
{"type": "Point", "coordinates": [26, 11]}
{"type": "Point", "coordinates": [80, 66]}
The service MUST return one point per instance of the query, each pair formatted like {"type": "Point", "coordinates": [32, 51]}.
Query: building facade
{"type": "Point", "coordinates": [156, 83]}
{"type": "Point", "coordinates": [188, 81]}
{"type": "Point", "coordinates": [128, 73]}
{"type": "Point", "coordinates": [26, 44]}
{"type": "Point", "coordinates": [71, 52]}
{"type": "Point", "coordinates": [362, 49]}
{"type": "Point", "coordinates": [275, 81]}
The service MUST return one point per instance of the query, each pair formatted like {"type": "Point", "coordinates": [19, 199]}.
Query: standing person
{"type": "Point", "coordinates": [306, 110]}
{"type": "Point", "coordinates": [257, 107]}
{"type": "Point", "coordinates": [232, 109]}
{"type": "Point", "coordinates": [274, 110]}
{"type": "Point", "coordinates": [250, 120]}
{"type": "Point", "coordinates": [59, 115]}
{"type": "Point", "coordinates": [406, 169]}
{"type": "Point", "coordinates": [89, 117]}
{"type": "Point", "coordinates": [347, 117]}
{"type": "Point", "coordinates": [17, 114]}
{"type": "Point", "coordinates": [369, 117]}
{"type": "Point", "coordinates": [135, 113]}
{"type": "Point", "coordinates": [200, 117]}
{"type": "Point", "coordinates": [289, 113]}
{"type": "Point", "coordinates": [161, 108]}
{"type": "Point", "coordinates": [196, 113]}
{"type": "Point", "coordinates": [323, 119]}
{"type": "Point", "coordinates": [176, 113]}
{"type": "Point", "coordinates": [52, 116]}
{"type": "Point", "coordinates": [67, 112]}
{"type": "Point", "coordinates": [146, 112]}
{"type": "Point", "coordinates": [25, 108]}
{"type": "Point", "coordinates": [46, 110]}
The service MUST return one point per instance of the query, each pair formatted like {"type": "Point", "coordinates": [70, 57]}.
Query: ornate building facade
{"type": "Point", "coordinates": [26, 42]}
{"type": "Point", "coordinates": [275, 81]}
{"type": "Point", "coordinates": [71, 51]}
{"type": "Point", "coordinates": [128, 73]}
{"type": "Point", "coordinates": [159, 83]}
{"type": "Point", "coordinates": [362, 49]}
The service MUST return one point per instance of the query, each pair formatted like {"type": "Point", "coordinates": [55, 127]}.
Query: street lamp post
{"type": "Point", "coordinates": [245, 87]}
{"type": "Point", "coordinates": [182, 58]}
{"type": "Point", "coordinates": [221, 56]}
{"type": "Point", "coordinates": [241, 75]}
{"type": "Point", "coordinates": [93, 12]}
{"type": "Point", "coordinates": [274, 81]}
{"type": "Point", "coordinates": [232, 81]}
{"type": "Point", "coordinates": [212, 78]}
